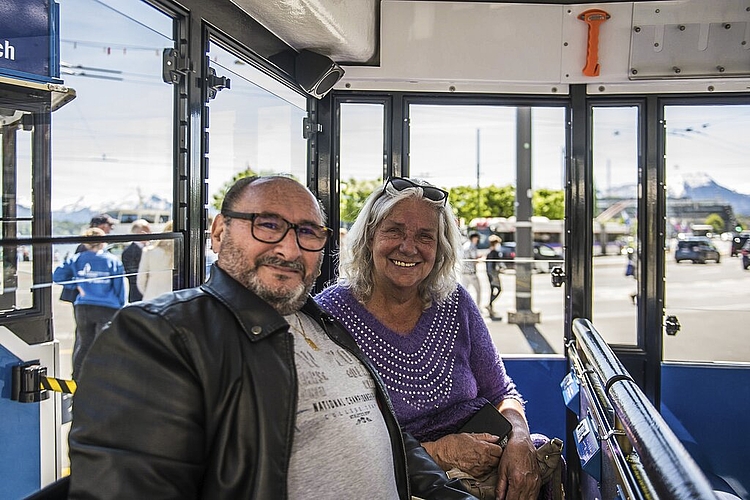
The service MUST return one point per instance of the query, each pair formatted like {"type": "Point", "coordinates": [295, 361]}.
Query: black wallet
{"type": "Point", "coordinates": [488, 419]}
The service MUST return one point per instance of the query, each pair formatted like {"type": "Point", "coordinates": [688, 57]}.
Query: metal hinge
{"type": "Point", "coordinates": [310, 128]}
{"type": "Point", "coordinates": [173, 66]}
{"type": "Point", "coordinates": [216, 83]}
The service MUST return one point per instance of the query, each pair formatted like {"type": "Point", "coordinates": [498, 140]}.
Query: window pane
{"type": "Point", "coordinates": [255, 129]}
{"type": "Point", "coordinates": [361, 159]}
{"type": "Point", "coordinates": [15, 213]}
{"type": "Point", "coordinates": [708, 205]}
{"type": "Point", "coordinates": [471, 151]}
{"type": "Point", "coordinates": [112, 145]}
{"type": "Point", "coordinates": [615, 151]}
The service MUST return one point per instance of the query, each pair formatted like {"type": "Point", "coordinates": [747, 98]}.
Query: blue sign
{"type": "Point", "coordinates": [571, 390]}
{"type": "Point", "coordinates": [589, 451]}
{"type": "Point", "coordinates": [29, 40]}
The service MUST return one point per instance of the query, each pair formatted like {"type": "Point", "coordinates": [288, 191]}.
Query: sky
{"type": "Point", "coordinates": [114, 141]}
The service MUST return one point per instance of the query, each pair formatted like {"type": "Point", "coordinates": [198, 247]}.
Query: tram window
{"type": "Point", "coordinates": [255, 127]}
{"type": "Point", "coordinates": [471, 150]}
{"type": "Point", "coordinates": [615, 169]}
{"type": "Point", "coordinates": [16, 179]}
{"type": "Point", "coordinates": [112, 145]}
{"type": "Point", "coordinates": [16, 279]}
{"type": "Point", "coordinates": [708, 184]}
{"type": "Point", "coordinates": [361, 159]}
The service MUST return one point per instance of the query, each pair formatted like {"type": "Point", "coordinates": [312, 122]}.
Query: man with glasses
{"type": "Point", "coordinates": [243, 387]}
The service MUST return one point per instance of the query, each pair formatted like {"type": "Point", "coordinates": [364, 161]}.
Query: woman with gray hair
{"type": "Point", "coordinates": [398, 296]}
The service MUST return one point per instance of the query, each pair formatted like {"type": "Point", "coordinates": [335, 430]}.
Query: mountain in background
{"type": "Point", "coordinates": [701, 187]}
{"type": "Point", "coordinates": [697, 187]}
{"type": "Point", "coordinates": [78, 213]}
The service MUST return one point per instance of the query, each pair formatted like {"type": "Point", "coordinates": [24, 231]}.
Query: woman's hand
{"type": "Point", "coordinates": [476, 454]}
{"type": "Point", "coordinates": [518, 472]}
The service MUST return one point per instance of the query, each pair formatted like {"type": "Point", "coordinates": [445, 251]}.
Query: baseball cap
{"type": "Point", "coordinates": [102, 219]}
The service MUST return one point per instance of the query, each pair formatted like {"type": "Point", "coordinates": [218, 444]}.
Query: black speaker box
{"type": "Point", "coordinates": [316, 73]}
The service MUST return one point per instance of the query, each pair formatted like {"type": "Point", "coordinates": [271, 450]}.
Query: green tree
{"type": "Point", "coordinates": [464, 201]}
{"type": "Point", "coordinates": [494, 201]}
{"type": "Point", "coordinates": [353, 196]}
{"type": "Point", "coordinates": [717, 222]}
{"type": "Point", "coordinates": [498, 201]}
{"type": "Point", "coordinates": [549, 203]}
{"type": "Point", "coordinates": [489, 201]}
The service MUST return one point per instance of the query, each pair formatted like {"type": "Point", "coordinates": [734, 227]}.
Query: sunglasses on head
{"type": "Point", "coordinates": [430, 192]}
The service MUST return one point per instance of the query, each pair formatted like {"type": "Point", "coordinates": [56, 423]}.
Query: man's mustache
{"type": "Point", "coordinates": [276, 261]}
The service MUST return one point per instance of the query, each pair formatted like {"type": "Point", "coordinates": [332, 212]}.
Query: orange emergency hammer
{"type": "Point", "coordinates": [593, 17]}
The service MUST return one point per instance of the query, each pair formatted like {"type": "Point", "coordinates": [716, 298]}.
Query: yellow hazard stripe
{"type": "Point", "coordinates": [58, 385]}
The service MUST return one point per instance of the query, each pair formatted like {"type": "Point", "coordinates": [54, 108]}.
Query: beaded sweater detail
{"type": "Point", "coordinates": [439, 374]}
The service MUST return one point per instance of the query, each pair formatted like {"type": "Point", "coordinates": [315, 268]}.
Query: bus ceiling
{"type": "Point", "coordinates": [418, 45]}
{"type": "Point", "coordinates": [347, 32]}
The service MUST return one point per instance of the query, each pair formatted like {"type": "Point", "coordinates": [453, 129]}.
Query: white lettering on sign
{"type": "Point", "coordinates": [7, 51]}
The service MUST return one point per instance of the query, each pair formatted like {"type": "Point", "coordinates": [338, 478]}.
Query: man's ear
{"type": "Point", "coordinates": [217, 232]}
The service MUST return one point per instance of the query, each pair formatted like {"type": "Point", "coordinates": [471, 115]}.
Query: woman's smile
{"type": "Point", "coordinates": [401, 263]}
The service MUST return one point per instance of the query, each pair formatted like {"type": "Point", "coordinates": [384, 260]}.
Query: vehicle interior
{"type": "Point", "coordinates": [645, 377]}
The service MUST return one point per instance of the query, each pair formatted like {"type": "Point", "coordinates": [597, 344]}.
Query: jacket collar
{"type": "Point", "coordinates": [257, 318]}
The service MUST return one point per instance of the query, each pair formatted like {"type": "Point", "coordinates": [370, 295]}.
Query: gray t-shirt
{"type": "Point", "coordinates": [341, 445]}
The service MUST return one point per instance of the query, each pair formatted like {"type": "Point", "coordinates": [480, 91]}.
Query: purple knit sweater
{"type": "Point", "coordinates": [438, 375]}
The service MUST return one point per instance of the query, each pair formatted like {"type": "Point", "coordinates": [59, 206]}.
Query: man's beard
{"type": "Point", "coordinates": [284, 300]}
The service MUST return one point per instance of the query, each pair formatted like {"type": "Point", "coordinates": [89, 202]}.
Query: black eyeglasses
{"type": "Point", "coordinates": [272, 228]}
{"type": "Point", "coordinates": [430, 192]}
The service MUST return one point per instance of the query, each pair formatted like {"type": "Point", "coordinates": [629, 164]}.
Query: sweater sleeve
{"type": "Point", "coordinates": [63, 272]}
{"type": "Point", "coordinates": [493, 381]}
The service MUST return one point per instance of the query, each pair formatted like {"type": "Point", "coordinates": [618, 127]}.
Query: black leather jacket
{"type": "Point", "coordinates": [193, 395]}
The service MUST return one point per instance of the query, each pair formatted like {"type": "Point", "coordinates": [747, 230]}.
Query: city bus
{"type": "Point", "coordinates": [543, 229]}
{"type": "Point", "coordinates": [630, 117]}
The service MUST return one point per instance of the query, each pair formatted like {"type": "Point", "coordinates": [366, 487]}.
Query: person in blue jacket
{"type": "Point", "coordinates": [99, 278]}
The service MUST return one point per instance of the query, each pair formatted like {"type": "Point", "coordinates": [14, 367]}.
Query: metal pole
{"type": "Point", "coordinates": [479, 192]}
{"type": "Point", "coordinates": [523, 315]}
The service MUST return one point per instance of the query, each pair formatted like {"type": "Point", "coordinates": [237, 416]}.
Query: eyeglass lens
{"type": "Point", "coordinates": [272, 229]}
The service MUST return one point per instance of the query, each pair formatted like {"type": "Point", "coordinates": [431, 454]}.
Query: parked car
{"type": "Point", "coordinates": [697, 249]}
{"type": "Point", "coordinates": [745, 254]}
{"type": "Point", "coordinates": [738, 242]}
{"type": "Point", "coordinates": [542, 251]}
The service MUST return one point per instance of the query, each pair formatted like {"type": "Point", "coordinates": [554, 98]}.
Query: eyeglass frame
{"type": "Point", "coordinates": [251, 216]}
{"type": "Point", "coordinates": [413, 184]}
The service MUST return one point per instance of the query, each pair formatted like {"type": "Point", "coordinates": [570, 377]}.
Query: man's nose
{"type": "Point", "coordinates": [289, 241]}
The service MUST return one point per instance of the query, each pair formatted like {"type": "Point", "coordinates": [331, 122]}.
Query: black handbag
{"type": "Point", "coordinates": [69, 294]}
